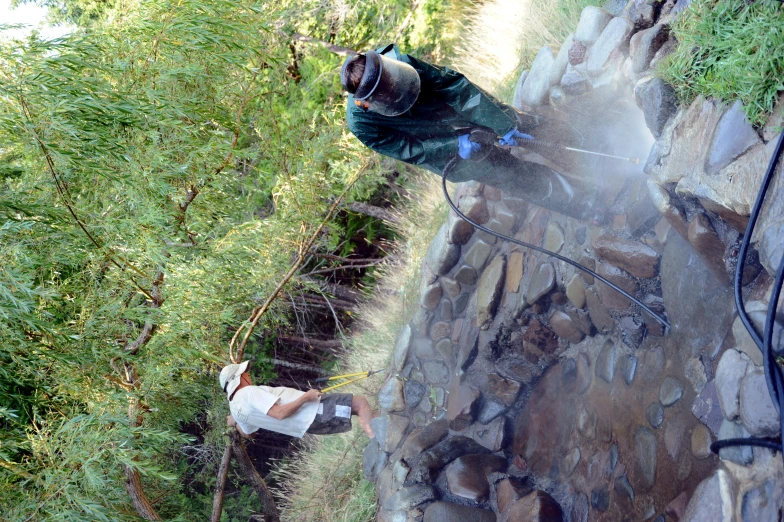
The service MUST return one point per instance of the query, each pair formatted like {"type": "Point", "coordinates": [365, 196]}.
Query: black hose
{"type": "Point", "coordinates": [773, 375]}
{"type": "Point", "coordinates": [444, 174]}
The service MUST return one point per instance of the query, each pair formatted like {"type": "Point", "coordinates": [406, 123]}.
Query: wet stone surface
{"type": "Point", "coordinates": [525, 390]}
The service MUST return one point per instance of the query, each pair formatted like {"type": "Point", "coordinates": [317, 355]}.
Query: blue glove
{"type": "Point", "coordinates": [511, 138]}
{"type": "Point", "coordinates": [466, 147]}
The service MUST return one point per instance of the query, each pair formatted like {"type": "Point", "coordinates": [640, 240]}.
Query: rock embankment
{"type": "Point", "coordinates": [523, 389]}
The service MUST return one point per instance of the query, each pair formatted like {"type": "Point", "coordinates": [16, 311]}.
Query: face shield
{"type": "Point", "coordinates": [388, 86]}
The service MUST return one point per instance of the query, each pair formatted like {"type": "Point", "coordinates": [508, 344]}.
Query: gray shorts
{"type": "Point", "coordinates": [334, 414]}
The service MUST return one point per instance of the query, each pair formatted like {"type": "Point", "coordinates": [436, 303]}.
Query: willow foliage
{"type": "Point", "coordinates": [157, 175]}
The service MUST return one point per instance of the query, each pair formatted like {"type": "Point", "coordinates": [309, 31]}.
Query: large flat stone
{"type": "Point", "coordinates": [757, 411]}
{"type": "Point", "coordinates": [645, 44]}
{"type": "Point", "coordinates": [402, 344]}
{"type": "Point", "coordinates": [762, 502]}
{"type": "Point", "coordinates": [475, 208]}
{"type": "Point", "coordinates": [611, 298]}
{"type": "Point", "coordinates": [459, 231]}
{"type": "Point", "coordinates": [537, 506]}
{"type": "Point", "coordinates": [592, 22]}
{"type": "Point", "coordinates": [410, 497]}
{"type": "Point", "coordinates": [691, 138]}
{"type": "Point", "coordinates": [606, 362]}
{"type": "Point", "coordinates": [575, 291]}
{"type": "Point", "coordinates": [574, 84]}
{"type": "Point", "coordinates": [390, 398]}
{"type": "Point", "coordinates": [477, 255]}
{"type": "Point", "coordinates": [745, 343]}
{"type": "Point", "coordinates": [561, 61]}
{"type": "Point", "coordinates": [467, 476]}
{"type": "Point", "coordinates": [553, 237]}
{"type": "Point", "coordinates": [537, 83]}
{"type": "Point", "coordinates": [422, 439]}
{"type": "Point", "coordinates": [769, 232]}
{"type": "Point", "coordinates": [373, 460]}
{"type": "Point", "coordinates": [670, 392]}
{"type": "Point", "coordinates": [505, 390]}
{"type": "Point", "coordinates": [564, 327]}
{"type": "Point", "coordinates": [448, 512]}
{"type": "Point", "coordinates": [708, 245]}
{"type": "Point", "coordinates": [509, 490]}
{"type": "Point", "coordinates": [491, 436]}
{"type": "Point", "coordinates": [734, 135]}
{"type": "Point", "coordinates": [645, 458]}
{"type": "Point", "coordinates": [489, 290]}
{"type": "Point", "coordinates": [436, 372]}
{"type": "Point", "coordinates": [614, 40]}
{"type": "Point", "coordinates": [462, 405]}
{"type": "Point", "coordinates": [638, 259]}
{"type": "Point", "coordinates": [691, 293]}
{"type": "Point", "coordinates": [738, 454]}
{"type": "Point", "coordinates": [514, 271]}
{"type": "Point", "coordinates": [542, 282]}
{"type": "Point", "coordinates": [707, 409]}
{"type": "Point", "coordinates": [441, 255]}
{"type": "Point", "coordinates": [732, 191]}
{"type": "Point", "coordinates": [600, 317]}
{"type": "Point", "coordinates": [389, 431]}
{"type": "Point", "coordinates": [517, 97]}
{"type": "Point", "coordinates": [712, 500]}
{"type": "Point", "coordinates": [732, 367]}
{"type": "Point", "coordinates": [426, 468]}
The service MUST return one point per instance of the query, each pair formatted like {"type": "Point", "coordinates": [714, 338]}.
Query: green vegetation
{"type": "Point", "coordinates": [161, 169]}
{"type": "Point", "coordinates": [729, 49]}
{"type": "Point", "coordinates": [324, 483]}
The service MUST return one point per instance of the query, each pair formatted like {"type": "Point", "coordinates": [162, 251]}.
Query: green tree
{"type": "Point", "coordinates": [160, 173]}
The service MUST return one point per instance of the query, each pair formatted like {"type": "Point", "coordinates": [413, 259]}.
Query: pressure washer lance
{"type": "Point", "coordinates": [549, 145]}
{"type": "Point", "coordinates": [358, 377]}
{"type": "Point", "coordinates": [454, 161]}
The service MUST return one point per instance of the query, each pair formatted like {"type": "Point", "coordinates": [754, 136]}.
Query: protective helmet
{"type": "Point", "coordinates": [388, 86]}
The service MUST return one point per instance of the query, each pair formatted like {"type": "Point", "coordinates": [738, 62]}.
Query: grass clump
{"type": "Point", "coordinates": [324, 482]}
{"type": "Point", "coordinates": [729, 49]}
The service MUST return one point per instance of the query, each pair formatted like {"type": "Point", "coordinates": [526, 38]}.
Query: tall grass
{"type": "Point", "coordinates": [500, 38]}
{"type": "Point", "coordinates": [324, 483]}
{"type": "Point", "coordinates": [729, 49]}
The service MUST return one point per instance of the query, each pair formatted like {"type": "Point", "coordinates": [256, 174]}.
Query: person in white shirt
{"type": "Point", "coordinates": [289, 411]}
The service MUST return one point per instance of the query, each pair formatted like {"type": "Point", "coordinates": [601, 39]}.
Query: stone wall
{"type": "Point", "coordinates": [502, 334]}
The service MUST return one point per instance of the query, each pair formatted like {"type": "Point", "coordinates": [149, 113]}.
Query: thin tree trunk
{"type": "Point", "coordinates": [133, 480]}
{"type": "Point", "coordinates": [142, 505]}
{"type": "Point", "coordinates": [295, 366]}
{"type": "Point", "coordinates": [340, 291]}
{"type": "Point", "coordinates": [321, 344]}
{"type": "Point", "coordinates": [270, 510]}
{"type": "Point", "coordinates": [407, 21]}
{"type": "Point", "coordinates": [373, 211]}
{"type": "Point", "coordinates": [217, 500]}
{"type": "Point", "coordinates": [320, 301]}
{"type": "Point", "coordinates": [342, 51]}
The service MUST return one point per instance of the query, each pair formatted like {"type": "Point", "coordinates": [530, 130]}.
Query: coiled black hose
{"type": "Point", "coordinates": [454, 161]}
{"type": "Point", "coordinates": [773, 375]}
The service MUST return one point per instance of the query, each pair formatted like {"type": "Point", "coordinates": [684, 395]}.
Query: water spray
{"type": "Point", "coordinates": [555, 146]}
{"type": "Point", "coordinates": [454, 161]}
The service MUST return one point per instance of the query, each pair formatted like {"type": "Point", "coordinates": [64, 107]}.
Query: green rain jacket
{"type": "Point", "coordinates": [426, 135]}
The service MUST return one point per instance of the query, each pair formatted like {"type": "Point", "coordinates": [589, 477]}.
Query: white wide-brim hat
{"type": "Point", "coordinates": [230, 376]}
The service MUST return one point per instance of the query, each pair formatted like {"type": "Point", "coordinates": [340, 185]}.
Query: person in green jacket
{"type": "Point", "coordinates": [425, 115]}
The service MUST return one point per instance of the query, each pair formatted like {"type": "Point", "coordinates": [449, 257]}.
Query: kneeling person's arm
{"type": "Point", "coordinates": [281, 411]}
